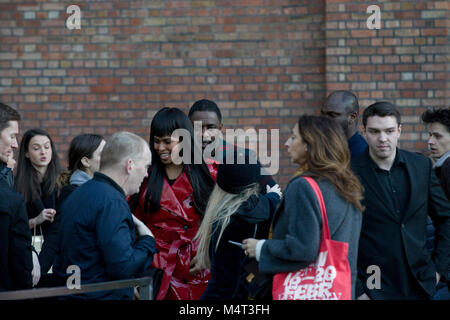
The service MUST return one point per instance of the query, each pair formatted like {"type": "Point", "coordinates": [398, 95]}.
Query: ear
{"type": "Point", "coordinates": [129, 166]}
{"type": "Point", "coordinates": [85, 162]}
{"type": "Point", "coordinates": [27, 155]}
{"type": "Point", "coordinates": [399, 129]}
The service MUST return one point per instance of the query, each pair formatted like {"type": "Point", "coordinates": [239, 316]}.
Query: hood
{"type": "Point", "coordinates": [442, 159]}
{"type": "Point", "coordinates": [255, 210]}
{"type": "Point", "coordinates": [79, 177]}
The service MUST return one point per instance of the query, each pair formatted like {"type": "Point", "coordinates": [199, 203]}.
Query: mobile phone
{"type": "Point", "coordinates": [235, 243]}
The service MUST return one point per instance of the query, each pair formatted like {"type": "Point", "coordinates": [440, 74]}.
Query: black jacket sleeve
{"type": "Point", "coordinates": [439, 212]}
{"type": "Point", "coordinates": [20, 252]}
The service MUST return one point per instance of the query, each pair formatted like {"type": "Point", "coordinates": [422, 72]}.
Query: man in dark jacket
{"type": "Point", "coordinates": [401, 190]}
{"type": "Point", "coordinates": [97, 228]}
{"type": "Point", "coordinates": [438, 122]}
{"type": "Point", "coordinates": [342, 106]}
{"type": "Point", "coordinates": [15, 237]}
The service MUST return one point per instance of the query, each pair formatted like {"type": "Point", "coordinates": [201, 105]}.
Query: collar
{"type": "Point", "coordinates": [442, 159]}
{"type": "Point", "coordinates": [98, 176]}
{"type": "Point", "coordinates": [79, 177]}
{"type": "Point", "coordinates": [398, 160]}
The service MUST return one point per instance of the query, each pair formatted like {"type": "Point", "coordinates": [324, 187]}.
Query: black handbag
{"type": "Point", "coordinates": [258, 284]}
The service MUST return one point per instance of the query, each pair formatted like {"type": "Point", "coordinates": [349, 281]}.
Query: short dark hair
{"type": "Point", "coordinates": [205, 105]}
{"type": "Point", "coordinates": [441, 116]}
{"type": "Point", "coordinates": [7, 114]}
{"type": "Point", "coordinates": [348, 98]}
{"type": "Point", "coordinates": [381, 109]}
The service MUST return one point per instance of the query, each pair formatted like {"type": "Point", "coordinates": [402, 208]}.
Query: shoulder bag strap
{"type": "Point", "coordinates": [323, 211]}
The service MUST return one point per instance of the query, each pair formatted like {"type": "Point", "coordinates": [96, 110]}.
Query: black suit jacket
{"type": "Point", "coordinates": [398, 243]}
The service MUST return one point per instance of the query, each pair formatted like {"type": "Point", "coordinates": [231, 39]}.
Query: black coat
{"type": "Point", "coordinates": [397, 244]}
{"type": "Point", "coordinates": [228, 261]}
{"type": "Point", "coordinates": [49, 229]}
{"type": "Point", "coordinates": [443, 173]}
{"type": "Point", "coordinates": [16, 261]}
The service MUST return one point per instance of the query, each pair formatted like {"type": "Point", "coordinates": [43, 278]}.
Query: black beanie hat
{"type": "Point", "coordinates": [235, 178]}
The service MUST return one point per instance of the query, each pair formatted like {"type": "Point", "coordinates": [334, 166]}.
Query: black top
{"type": "Point", "coordinates": [49, 229]}
{"type": "Point", "coordinates": [394, 184]}
{"type": "Point", "coordinates": [15, 239]}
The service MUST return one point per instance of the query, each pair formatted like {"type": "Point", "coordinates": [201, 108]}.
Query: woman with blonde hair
{"type": "Point", "coordinates": [236, 210]}
{"type": "Point", "coordinates": [320, 149]}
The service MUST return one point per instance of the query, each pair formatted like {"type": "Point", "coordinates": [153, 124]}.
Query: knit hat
{"type": "Point", "coordinates": [236, 177]}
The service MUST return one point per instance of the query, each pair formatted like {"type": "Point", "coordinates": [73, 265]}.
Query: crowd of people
{"type": "Point", "coordinates": [125, 206]}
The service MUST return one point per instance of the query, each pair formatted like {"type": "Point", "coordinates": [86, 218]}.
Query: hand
{"type": "Point", "coordinates": [141, 228]}
{"type": "Point", "coordinates": [36, 272]}
{"type": "Point", "coordinates": [363, 297]}
{"type": "Point", "coordinates": [275, 188]}
{"type": "Point", "coordinates": [438, 278]}
{"type": "Point", "coordinates": [249, 246]}
{"type": "Point", "coordinates": [11, 162]}
{"type": "Point", "coordinates": [194, 267]}
{"type": "Point", "coordinates": [136, 294]}
{"type": "Point", "coordinates": [45, 215]}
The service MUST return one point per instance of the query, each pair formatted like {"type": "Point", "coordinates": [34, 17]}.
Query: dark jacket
{"type": "Point", "coordinates": [227, 262]}
{"type": "Point", "coordinates": [297, 228]}
{"type": "Point", "coordinates": [442, 170]}
{"type": "Point", "coordinates": [16, 261]}
{"type": "Point", "coordinates": [98, 235]}
{"type": "Point", "coordinates": [397, 243]}
{"type": "Point", "coordinates": [357, 145]}
{"type": "Point", "coordinates": [49, 229]}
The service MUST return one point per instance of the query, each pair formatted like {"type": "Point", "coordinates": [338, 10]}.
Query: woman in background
{"type": "Point", "coordinates": [84, 161]}
{"type": "Point", "coordinates": [36, 179]}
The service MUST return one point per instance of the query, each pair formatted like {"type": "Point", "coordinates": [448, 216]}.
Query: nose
{"type": "Point", "coordinates": [383, 136]}
{"type": "Point", "coordinates": [431, 141]}
{"type": "Point", "coordinates": [14, 144]}
{"type": "Point", "coordinates": [288, 142]}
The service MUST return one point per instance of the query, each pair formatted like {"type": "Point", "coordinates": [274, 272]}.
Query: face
{"type": "Point", "coordinates": [338, 113]}
{"type": "Point", "coordinates": [210, 123]}
{"type": "Point", "coordinates": [439, 141]}
{"type": "Point", "coordinates": [8, 140]}
{"type": "Point", "coordinates": [139, 171]}
{"type": "Point", "coordinates": [297, 148]}
{"type": "Point", "coordinates": [39, 151]}
{"type": "Point", "coordinates": [382, 134]}
{"type": "Point", "coordinates": [94, 162]}
{"type": "Point", "coordinates": [163, 147]}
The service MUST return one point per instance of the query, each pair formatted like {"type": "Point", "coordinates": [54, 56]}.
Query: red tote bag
{"type": "Point", "coordinates": [328, 278]}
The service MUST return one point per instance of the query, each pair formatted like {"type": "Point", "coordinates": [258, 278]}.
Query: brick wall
{"type": "Point", "coordinates": [264, 62]}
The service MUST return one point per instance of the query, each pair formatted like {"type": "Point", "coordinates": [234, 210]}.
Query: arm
{"type": "Point", "coordinates": [123, 257]}
{"type": "Point", "coordinates": [300, 244]}
{"type": "Point", "coordinates": [439, 212]}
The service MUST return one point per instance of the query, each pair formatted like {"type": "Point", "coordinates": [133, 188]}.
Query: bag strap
{"type": "Point", "coordinates": [323, 211]}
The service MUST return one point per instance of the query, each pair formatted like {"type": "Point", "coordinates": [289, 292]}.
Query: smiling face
{"type": "Point", "coordinates": [439, 141]}
{"type": "Point", "coordinates": [210, 123]}
{"type": "Point", "coordinates": [382, 134]}
{"type": "Point", "coordinates": [163, 147]}
{"type": "Point", "coordinates": [8, 140]}
{"type": "Point", "coordinates": [39, 151]}
{"type": "Point", "coordinates": [297, 148]}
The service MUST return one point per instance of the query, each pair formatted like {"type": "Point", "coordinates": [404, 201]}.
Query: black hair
{"type": "Point", "coordinates": [7, 114]}
{"type": "Point", "coordinates": [27, 180]}
{"type": "Point", "coordinates": [83, 145]}
{"type": "Point", "coordinates": [381, 109]}
{"type": "Point", "coordinates": [205, 105]}
{"type": "Point", "coordinates": [348, 98]}
{"type": "Point", "coordinates": [164, 123]}
{"type": "Point", "coordinates": [441, 116]}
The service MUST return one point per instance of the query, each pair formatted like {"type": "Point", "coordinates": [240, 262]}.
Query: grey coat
{"type": "Point", "coordinates": [297, 228]}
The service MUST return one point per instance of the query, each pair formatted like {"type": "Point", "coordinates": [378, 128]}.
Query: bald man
{"type": "Point", "coordinates": [342, 106]}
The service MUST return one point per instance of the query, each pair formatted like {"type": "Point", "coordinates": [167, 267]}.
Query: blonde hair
{"type": "Point", "coordinates": [221, 206]}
